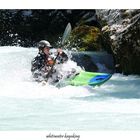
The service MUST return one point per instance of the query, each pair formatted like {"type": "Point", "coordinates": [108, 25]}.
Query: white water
{"type": "Point", "coordinates": [27, 105]}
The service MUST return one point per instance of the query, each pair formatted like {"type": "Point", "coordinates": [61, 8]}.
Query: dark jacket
{"type": "Point", "coordinates": [38, 62]}
{"type": "Point", "coordinates": [39, 66]}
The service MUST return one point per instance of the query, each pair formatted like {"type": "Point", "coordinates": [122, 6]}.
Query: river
{"type": "Point", "coordinates": [27, 105]}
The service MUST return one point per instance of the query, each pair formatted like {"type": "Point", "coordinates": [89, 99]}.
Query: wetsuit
{"type": "Point", "coordinates": [40, 66]}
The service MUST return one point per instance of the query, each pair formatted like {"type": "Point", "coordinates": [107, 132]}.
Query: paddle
{"type": "Point", "coordinates": [64, 39]}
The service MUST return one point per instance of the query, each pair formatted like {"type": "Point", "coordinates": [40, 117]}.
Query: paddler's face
{"type": "Point", "coordinates": [46, 50]}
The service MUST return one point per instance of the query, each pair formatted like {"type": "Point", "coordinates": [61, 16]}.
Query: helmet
{"type": "Point", "coordinates": [43, 43]}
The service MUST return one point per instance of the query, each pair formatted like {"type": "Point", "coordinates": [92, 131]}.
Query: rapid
{"type": "Point", "coordinates": [27, 105]}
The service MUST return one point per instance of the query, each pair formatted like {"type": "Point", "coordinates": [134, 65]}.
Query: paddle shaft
{"type": "Point", "coordinates": [48, 75]}
{"type": "Point", "coordinates": [64, 38]}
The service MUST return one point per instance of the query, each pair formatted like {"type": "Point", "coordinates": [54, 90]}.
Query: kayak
{"type": "Point", "coordinates": [89, 78]}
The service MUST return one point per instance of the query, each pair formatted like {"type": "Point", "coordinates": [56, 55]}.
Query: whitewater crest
{"type": "Point", "coordinates": [27, 105]}
{"type": "Point", "coordinates": [16, 75]}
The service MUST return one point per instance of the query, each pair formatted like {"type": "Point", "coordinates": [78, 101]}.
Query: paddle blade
{"type": "Point", "coordinates": [66, 33]}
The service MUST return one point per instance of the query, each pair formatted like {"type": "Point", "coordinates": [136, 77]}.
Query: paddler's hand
{"type": "Point", "coordinates": [50, 61]}
{"type": "Point", "coordinates": [59, 51]}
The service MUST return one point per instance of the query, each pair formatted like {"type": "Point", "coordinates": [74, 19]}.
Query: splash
{"type": "Point", "coordinates": [27, 105]}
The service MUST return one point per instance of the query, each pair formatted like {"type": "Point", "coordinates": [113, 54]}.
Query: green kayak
{"type": "Point", "coordinates": [89, 78]}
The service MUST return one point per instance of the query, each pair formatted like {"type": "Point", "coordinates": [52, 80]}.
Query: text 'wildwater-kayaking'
{"type": "Point", "coordinates": [63, 136]}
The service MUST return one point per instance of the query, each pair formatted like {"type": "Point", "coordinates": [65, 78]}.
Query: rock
{"type": "Point", "coordinates": [31, 26]}
{"type": "Point", "coordinates": [84, 61]}
{"type": "Point", "coordinates": [86, 38]}
{"type": "Point", "coordinates": [123, 27]}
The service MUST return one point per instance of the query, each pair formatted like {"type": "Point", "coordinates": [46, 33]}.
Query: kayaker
{"type": "Point", "coordinates": [42, 63]}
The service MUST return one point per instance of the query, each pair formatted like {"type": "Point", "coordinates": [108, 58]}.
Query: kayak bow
{"type": "Point", "coordinates": [89, 78]}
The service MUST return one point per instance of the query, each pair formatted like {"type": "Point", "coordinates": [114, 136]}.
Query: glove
{"type": "Point", "coordinates": [50, 61]}
{"type": "Point", "coordinates": [59, 51]}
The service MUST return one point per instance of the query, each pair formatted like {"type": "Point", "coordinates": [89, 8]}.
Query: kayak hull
{"type": "Point", "coordinates": [89, 78]}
